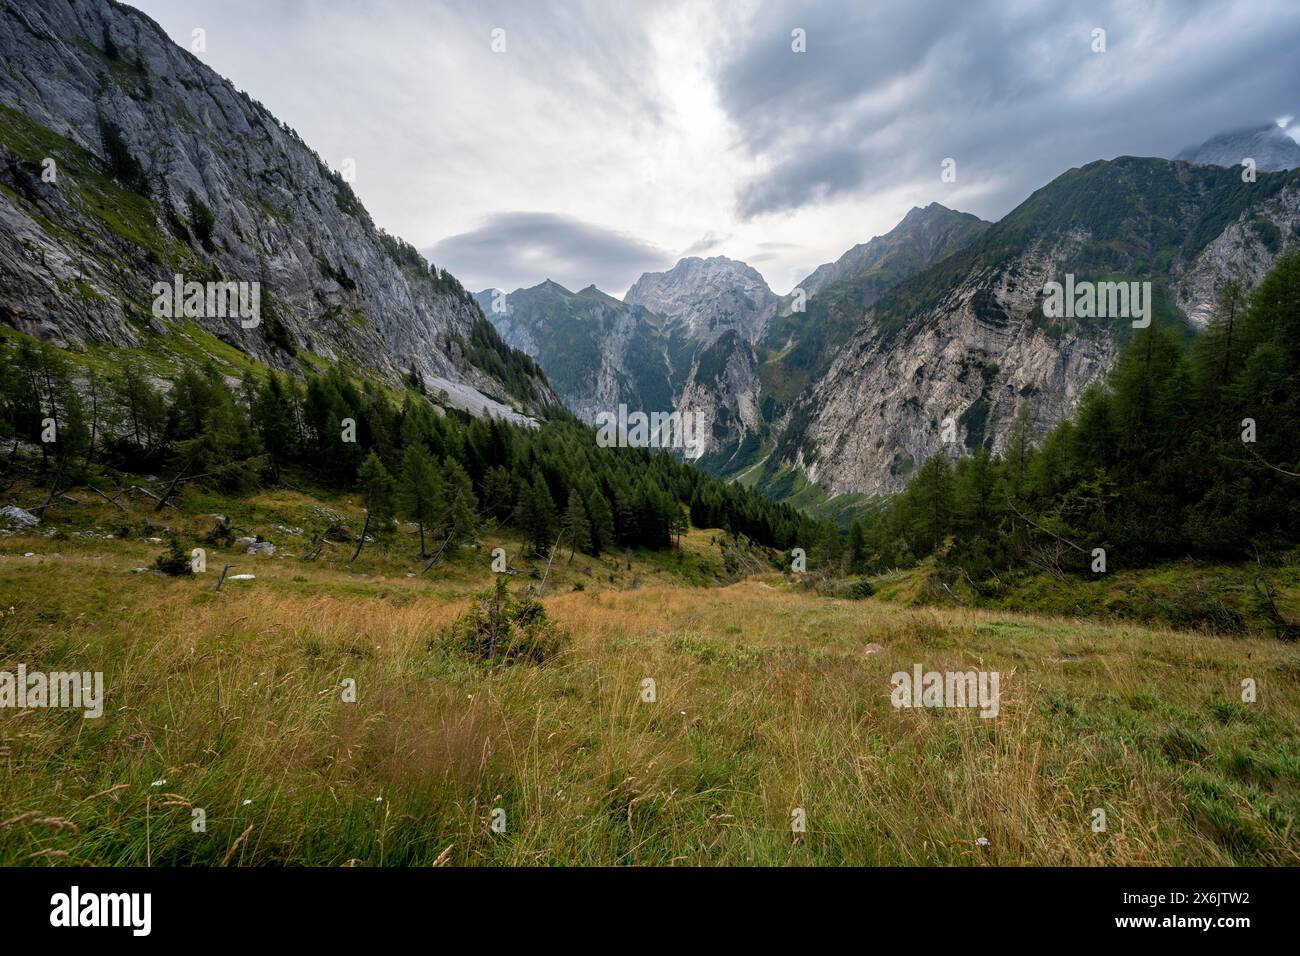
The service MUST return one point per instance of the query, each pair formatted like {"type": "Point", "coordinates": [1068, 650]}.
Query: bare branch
{"type": "Point", "coordinates": [1033, 523]}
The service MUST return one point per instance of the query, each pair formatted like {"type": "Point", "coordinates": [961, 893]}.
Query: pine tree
{"type": "Point", "coordinates": [218, 434]}
{"type": "Point", "coordinates": [680, 523]}
{"type": "Point", "coordinates": [1218, 356]}
{"type": "Point", "coordinates": [421, 493]}
{"type": "Point", "coordinates": [273, 413]}
{"type": "Point", "coordinates": [602, 522]}
{"type": "Point", "coordinates": [540, 522]}
{"type": "Point", "coordinates": [857, 544]}
{"type": "Point", "coordinates": [462, 504]}
{"type": "Point", "coordinates": [498, 493]}
{"type": "Point", "coordinates": [930, 498]}
{"type": "Point", "coordinates": [143, 408]}
{"type": "Point", "coordinates": [63, 403]}
{"type": "Point", "coordinates": [1019, 452]}
{"type": "Point", "coordinates": [23, 392]}
{"type": "Point", "coordinates": [577, 526]}
{"type": "Point", "coordinates": [525, 512]}
{"type": "Point", "coordinates": [377, 495]}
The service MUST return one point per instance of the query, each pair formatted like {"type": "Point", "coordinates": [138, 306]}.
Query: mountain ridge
{"type": "Point", "coordinates": [725, 364]}
{"type": "Point", "coordinates": [1269, 145]}
{"type": "Point", "coordinates": [966, 343]}
{"type": "Point", "coordinates": [161, 167]}
{"type": "Point", "coordinates": [944, 224]}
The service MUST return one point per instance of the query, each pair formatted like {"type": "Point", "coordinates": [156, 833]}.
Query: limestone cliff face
{"type": "Point", "coordinates": [957, 383]}
{"type": "Point", "coordinates": [1246, 249]}
{"type": "Point", "coordinates": [598, 352]}
{"type": "Point", "coordinates": [161, 167]}
{"type": "Point", "coordinates": [724, 391]}
{"type": "Point", "coordinates": [720, 307]}
{"type": "Point", "coordinates": [680, 341]}
{"type": "Point", "coordinates": [966, 343]}
{"type": "Point", "coordinates": [710, 296]}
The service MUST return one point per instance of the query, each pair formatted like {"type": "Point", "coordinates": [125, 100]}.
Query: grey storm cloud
{"type": "Point", "coordinates": [1014, 93]}
{"type": "Point", "coordinates": [744, 138]}
{"type": "Point", "coordinates": [514, 250]}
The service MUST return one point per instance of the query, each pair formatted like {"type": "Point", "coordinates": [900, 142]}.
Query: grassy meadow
{"type": "Point", "coordinates": [769, 698]}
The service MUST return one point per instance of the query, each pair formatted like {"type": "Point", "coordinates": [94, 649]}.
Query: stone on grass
{"type": "Point", "coordinates": [16, 517]}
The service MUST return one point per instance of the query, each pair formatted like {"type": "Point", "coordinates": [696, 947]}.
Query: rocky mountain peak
{"type": "Point", "coordinates": [922, 213]}
{"type": "Point", "coordinates": [922, 237]}
{"type": "Point", "coordinates": [1270, 146]}
{"type": "Point", "coordinates": [709, 295]}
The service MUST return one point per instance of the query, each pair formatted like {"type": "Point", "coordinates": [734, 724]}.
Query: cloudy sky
{"type": "Point", "coordinates": [600, 140]}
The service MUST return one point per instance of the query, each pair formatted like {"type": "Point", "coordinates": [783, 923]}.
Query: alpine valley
{"type": "Point", "coordinates": [978, 548]}
{"type": "Point", "coordinates": [930, 338]}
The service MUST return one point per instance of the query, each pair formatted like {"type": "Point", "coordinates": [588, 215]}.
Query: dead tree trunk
{"type": "Point", "coordinates": [542, 587]}
{"type": "Point", "coordinates": [361, 541]}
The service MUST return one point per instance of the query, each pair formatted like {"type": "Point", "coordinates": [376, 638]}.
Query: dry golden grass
{"type": "Point", "coordinates": [767, 701]}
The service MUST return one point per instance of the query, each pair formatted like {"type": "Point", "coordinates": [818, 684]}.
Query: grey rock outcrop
{"type": "Point", "coordinates": [16, 517]}
{"type": "Point", "coordinates": [945, 361]}
{"type": "Point", "coordinates": [162, 168]}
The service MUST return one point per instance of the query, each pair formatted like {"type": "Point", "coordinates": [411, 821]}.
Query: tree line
{"type": "Point", "coordinates": [408, 457]}
{"type": "Point", "coordinates": [1186, 450]}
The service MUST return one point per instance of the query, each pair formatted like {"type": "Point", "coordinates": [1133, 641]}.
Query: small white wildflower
{"type": "Point", "coordinates": [982, 841]}
{"type": "Point", "coordinates": [247, 802]}
{"type": "Point", "coordinates": [158, 783]}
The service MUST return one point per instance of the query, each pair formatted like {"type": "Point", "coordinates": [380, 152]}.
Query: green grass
{"type": "Point", "coordinates": [768, 699]}
{"type": "Point", "coordinates": [1190, 594]}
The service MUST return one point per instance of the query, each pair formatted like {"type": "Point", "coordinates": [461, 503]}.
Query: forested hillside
{"type": "Point", "coordinates": [1187, 450]}
{"type": "Point", "coordinates": [409, 457]}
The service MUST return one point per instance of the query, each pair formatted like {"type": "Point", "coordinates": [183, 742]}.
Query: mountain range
{"type": "Point", "coordinates": [125, 161]}
{"type": "Point", "coordinates": [929, 338]}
